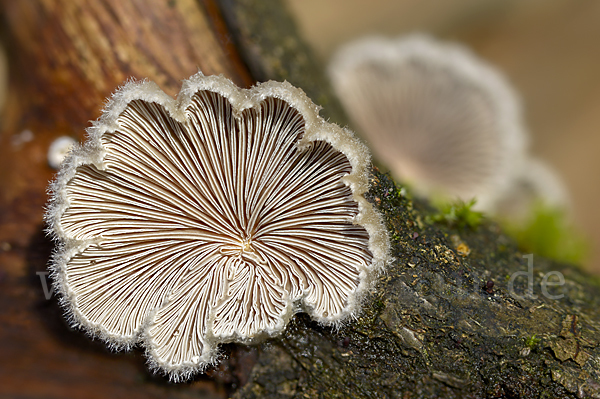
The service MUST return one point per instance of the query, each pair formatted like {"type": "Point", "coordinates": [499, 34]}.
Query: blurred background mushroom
{"type": "Point", "coordinates": [534, 181]}
{"type": "Point", "coordinates": [439, 118]}
{"type": "Point", "coordinates": [449, 125]}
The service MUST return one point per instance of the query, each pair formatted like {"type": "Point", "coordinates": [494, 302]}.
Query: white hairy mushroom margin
{"type": "Point", "coordinates": [166, 239]}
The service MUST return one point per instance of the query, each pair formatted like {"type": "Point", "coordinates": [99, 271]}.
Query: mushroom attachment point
{"type": "Point", "coordinates": [212, 218]}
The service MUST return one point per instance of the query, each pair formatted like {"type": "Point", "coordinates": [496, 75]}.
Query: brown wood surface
{"type": "Point", "coordinates": [65, 58]}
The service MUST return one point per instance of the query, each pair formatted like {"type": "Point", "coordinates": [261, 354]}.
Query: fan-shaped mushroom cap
{"type": "Point", "coordinates": [212, 218]}
{"type": "Point", "coordinates": [436, 115]}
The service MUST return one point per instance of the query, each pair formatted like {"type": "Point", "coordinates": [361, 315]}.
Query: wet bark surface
{"type": "Point", "coordinates": [441, 322]}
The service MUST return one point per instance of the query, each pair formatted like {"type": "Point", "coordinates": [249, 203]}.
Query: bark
{"type": "Point", "coordinates": [435, 326]}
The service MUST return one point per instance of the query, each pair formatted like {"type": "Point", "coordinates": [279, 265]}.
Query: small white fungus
{"type": "Point", "coordinates": [59, 149]}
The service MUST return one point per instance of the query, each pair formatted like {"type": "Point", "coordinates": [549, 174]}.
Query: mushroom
{"type": "Point", "coordinates": [212, 218]}
{"type": "Point", "coordinates": [438, 117]}
{"type": "Point", "coordinates": [58, 150]}
{"type": "Point", "coordinates": [535, 183]}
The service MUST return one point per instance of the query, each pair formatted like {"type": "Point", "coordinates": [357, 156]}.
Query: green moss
{"type": "Point", "coordinates": [548, 233]}
{"type": "Point", "coordinates": [532, 341]}
{"type": "Point", "coordinates": [378, 305]}
{"type": "Point", "coordinates": [458, 214]}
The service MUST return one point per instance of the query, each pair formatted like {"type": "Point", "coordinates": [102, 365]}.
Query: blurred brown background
{"type": "Point", "coordinates": [549, 49]}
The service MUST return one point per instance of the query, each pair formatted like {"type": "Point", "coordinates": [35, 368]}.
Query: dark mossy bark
{"type": "Point", "coordinates": [443, 321]}
{"type": "Point", "coordinates": [435, 327]}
